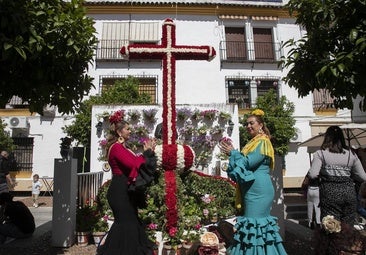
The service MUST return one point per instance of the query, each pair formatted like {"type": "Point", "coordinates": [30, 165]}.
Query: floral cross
{"type": "Point", "coordinates": [169, 52]}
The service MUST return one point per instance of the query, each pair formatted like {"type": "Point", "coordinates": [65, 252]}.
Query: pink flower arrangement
{"type": "Point", "coordinates": [103, 143]}
{"type": "Point", "coordinates": [209, 114]}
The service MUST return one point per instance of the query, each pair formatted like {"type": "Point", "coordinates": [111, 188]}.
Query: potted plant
{"type": "Point", "coordinates": [85, 220]}
{"type": "Point", "coordinates": [209, 114]}
{"type": "Point", "coordinates": [224, 116]}
{"type": "Point", "coordinates": [134, 115]}
{"type": "Point", "coordinates": [149, 114]}
{"type": "Point", "coordinates": [183, 113]}
{"type": "Point", "coordinates": [196, 115]}
{"type": "Point", "coordinates": [100, 228]}
{"type": "Point", "coordinates": [173, 241]}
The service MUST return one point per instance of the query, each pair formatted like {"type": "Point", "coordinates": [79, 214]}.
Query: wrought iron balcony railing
{"type": "Point", "coordinates": [233, 51]}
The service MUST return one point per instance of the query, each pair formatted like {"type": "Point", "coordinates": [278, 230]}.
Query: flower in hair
{"type": "Point", "coordinates": [117, 116]}
{"type": "Point", "coordinates": [258, 112]}
{"type": "Point", "coordinates": [331, 225]}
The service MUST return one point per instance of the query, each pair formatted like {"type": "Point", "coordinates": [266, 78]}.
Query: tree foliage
{"type": "Point", "coordinates": [332, 53]}
{"type": "Point", "coordinates": [122, 92]}
{"type": "Point", "coordinates": [6, 143]}
{"type": "Point", "coordinates": [46, 46]}
{"type": "Point", "coordinates": [278, 119]}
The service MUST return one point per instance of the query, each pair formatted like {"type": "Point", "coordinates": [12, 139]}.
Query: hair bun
{"type": "Point", "coordinates": [258, 112]}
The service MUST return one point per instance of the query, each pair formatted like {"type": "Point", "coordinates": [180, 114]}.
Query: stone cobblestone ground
{"type": "Point", "coordinates": [294, 244]}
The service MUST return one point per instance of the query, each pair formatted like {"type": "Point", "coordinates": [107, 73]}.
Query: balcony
{"type": "Point", "coordinates": [108, 50]}
{"type": "Point", "coordinates": [242, 52]}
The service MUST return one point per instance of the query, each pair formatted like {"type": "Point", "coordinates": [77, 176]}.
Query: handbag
{"type": "Point", "coordinates": [146, 176]}
{"type": "Point", "coordinates": [137, 189]}
{"type": "Point", "coordinates": [143, 180]}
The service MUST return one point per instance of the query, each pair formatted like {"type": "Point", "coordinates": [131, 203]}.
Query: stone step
{"type": "Point", "coordinates": [295, 206]}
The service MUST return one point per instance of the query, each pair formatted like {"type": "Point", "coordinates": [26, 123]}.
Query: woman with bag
{"type": "Point", "coordinates": [338, 168]}
{"type": "Point", "coordinates": [127, 234]}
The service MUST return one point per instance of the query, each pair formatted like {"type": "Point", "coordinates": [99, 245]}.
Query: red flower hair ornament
{"type": "Point", "coordinates": [117, 116]}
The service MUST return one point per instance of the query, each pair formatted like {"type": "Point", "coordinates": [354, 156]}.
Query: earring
{"type": "Point", "coordinates": [120, 139]}
{"type": "Point", "coordinates": [260, 131]}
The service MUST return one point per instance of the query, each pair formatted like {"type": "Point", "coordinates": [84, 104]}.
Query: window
{"type": "Point", "coordinates": [23, 153]}
{"type": "Point", "coordinates": [263, 86]}
{"type": "Point", "coordinates": [244, 90]}
{"type": "Point", "coordinates": [147, 84]}
{"type": "Point", "coordinates": [117, 34]}
{"type": "Point", "coordinates": [239, 92]}
{"type": "Point", "coordinates": [17, 102]}
{"type": "Point", "coordinates": [235, 43]}
{"type": "Point", "coordinates": [263, 44]}
{"type": "Point", "coordinates": [249, 43]}
{"type": "Point", "coordinates": [322, 100]}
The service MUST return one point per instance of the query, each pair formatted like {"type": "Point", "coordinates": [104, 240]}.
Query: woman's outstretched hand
{"type": "Point", "coordinates": [226, 146]}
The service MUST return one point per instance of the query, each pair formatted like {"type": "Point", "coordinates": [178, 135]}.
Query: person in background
{"type": "Point", "coordinates": [256, 231]}
{"type": "Point", "coordinates": [6, 183]}
{"type": "Point", "coordinates": [18, 219]}
{"type": "Point", "coordinates": [127, 234]}
{"type": "Point", "coordinates": [338, 168]}
{"type": "Point", "coordinates": [313, 201]}
{"type": "Point", "coordinates": [361, 207]}
{"type": "Point", "coordinates": [36, 189]}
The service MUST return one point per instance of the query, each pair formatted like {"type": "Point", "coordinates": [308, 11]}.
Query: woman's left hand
{"type": "Point", "coordinates": [150, 144]}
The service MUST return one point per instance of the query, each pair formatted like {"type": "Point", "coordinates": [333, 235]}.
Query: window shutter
{"type": "Point", "coordinates": [115, 31]}
{"type": "Point", "coordinates": [144, 32]}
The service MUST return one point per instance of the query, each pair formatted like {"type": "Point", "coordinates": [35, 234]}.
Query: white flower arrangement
{"type": "Point", "coordinates": [331, 225]}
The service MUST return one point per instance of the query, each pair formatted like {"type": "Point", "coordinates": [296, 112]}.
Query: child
{"type": "Point", "coordinates": [36, 189]}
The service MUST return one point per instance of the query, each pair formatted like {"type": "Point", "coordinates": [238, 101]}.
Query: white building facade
{"type": "Point", "coordinates": [247, 37]}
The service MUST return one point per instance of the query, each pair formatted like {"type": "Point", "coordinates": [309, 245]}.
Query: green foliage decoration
{"type": "Point", "coordinates": [122, 92]}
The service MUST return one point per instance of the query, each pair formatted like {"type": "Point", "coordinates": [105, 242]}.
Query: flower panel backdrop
{"type": "Point", "coordinates": [203, 199]}
{"type": "Point", "coordinates": [201, 129]}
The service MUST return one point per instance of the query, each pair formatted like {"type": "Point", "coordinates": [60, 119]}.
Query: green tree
{"type": "Point", "coordinates": [332, 53]}
{"type": "Point", "coordinates": [6, 143]}
{"type": "Point", "coordinates": [122, 92]}
{"type": "Point", "coordinates": [46, 47]}
{"type": "Point", "coordinates": [278, 118]}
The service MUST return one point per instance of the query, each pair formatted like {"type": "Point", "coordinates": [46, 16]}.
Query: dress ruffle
{"type": "Point", "coordinates": [237, 170]}
{"type": "Point", "coordinates": [257, 236]}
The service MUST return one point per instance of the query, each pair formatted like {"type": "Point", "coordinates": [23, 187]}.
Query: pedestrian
{"type": "Point", "coordinates": [313, 202]}
{"type": "Point", "coordinates": [338, 168]}
{"type": "Point", "coordinates": [6, 183]}
{"type": "Point", "coordinates": [361, 206]}
{"type": "Point", "coordinates": [36, 189]}
{"type": "Point", "coordinates": [127, 234]}
{"type": "Point", "coordinates": [256, 231]}
{"type": "Point", "coordinates": [19, 221]}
